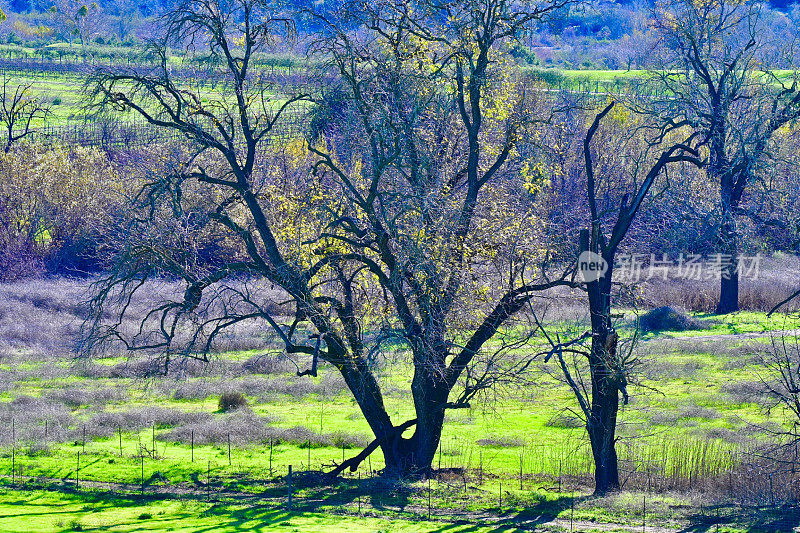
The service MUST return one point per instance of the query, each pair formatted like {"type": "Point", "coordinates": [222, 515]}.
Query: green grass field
{"type": "Point", "coordinates": [64, 95]}
{"type": "Point", "coordinates": [64, 92]}
{"type": "Point", "coordinates": [506, 461]}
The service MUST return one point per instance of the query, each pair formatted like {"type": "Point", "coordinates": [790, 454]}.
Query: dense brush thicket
{"type": "Point", "coordinates": [62, 208]}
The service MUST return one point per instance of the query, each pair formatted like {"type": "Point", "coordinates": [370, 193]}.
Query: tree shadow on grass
{"type": "Point", "coordinates": [316, 491]}
{"type": "Point", "coordinates": [35, 507]}
{"type": "Point", "coordinates": [756, 519]}
{"type": "Point", "coordinates": [317, 497]}
{"type": "Point", "coordinates": [256, 519]}
{"type": "Point", "coordinates": [542, 512]}
{"type": "Point", "coordinates": [396, 498]}
{"type": "Point", "coordinates": [316, 494]}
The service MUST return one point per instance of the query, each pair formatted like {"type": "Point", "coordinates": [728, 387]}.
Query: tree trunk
{"type": "Point", "coordinates": [412, 457]}
{"type": "Point", "coordinates": [602, 422]}
{"type": "Point", "coordinates": [430, 393]}
{"type": "Point", "coordinates": [403, 457]}
{"type": "Point", "coordinates": [729, 293]}
{"type": "Point", "coordinates": [605, 406]}
{"type": "Point", "coordinates": [367, 393]}
{"type": "Point", "coordinates": [729, 275]}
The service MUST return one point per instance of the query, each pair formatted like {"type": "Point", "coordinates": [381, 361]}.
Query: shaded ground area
{"type": "Point", "coordinates": [52, 505]}
{"type": "Point", "coordinates": [34, 511]}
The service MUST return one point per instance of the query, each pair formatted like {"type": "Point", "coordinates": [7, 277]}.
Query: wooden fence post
{"type": "Point", "coordinates": [289, 485]}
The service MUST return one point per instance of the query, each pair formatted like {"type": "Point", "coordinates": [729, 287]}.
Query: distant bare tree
{"type": "Point", "coordinates": [20, 109]}
{"type": "Point", "coordinates": [716, 75]}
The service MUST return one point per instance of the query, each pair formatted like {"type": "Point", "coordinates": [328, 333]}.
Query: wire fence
{"type": "Point", "coordinates": [49, 69]}
{"type": "Point", "coordinates": [109, 134]}
{"type": "Point", "coordinates": [457, 485]}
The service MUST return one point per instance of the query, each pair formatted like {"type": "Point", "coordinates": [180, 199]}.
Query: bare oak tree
{"type": "Point", "coordinates": [621, 169]}
{"type": "Point", "coordinates": [391, 224]}
{"type": "Point", "coordinates": [716, 75]}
